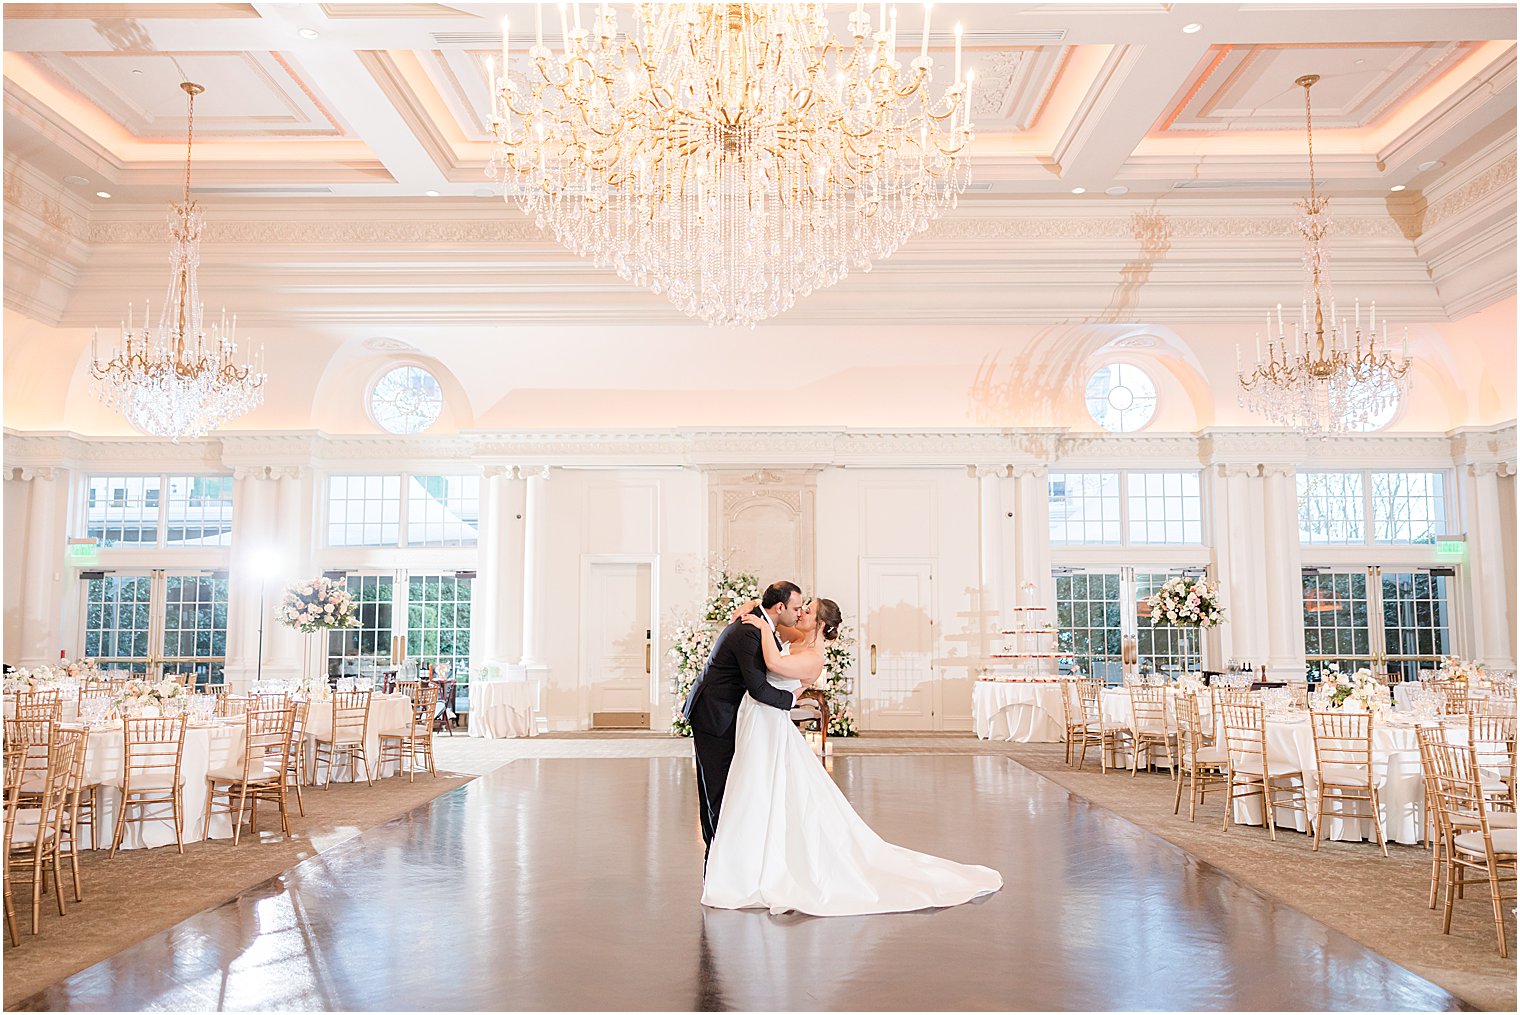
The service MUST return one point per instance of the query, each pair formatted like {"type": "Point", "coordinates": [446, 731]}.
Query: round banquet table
{"type": "Point", "coordinates": [214, 745]}
{"type": "Point", "coordinates": [386, 712]}
{"type": "Point", "coordinates": [1395, 769]}
{"type": "Point", "coordinates": [501, 709]}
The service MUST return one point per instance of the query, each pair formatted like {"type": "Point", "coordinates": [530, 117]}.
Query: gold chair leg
{"type": "Point", "coordinates": [1498, 900]}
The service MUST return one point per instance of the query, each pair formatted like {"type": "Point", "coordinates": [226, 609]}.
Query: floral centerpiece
{"type": "Point", "coordinates": [317, 604]}
{"type": "Point", "coordinates": [1187, 603]}
{"type": "Point", "coordinates": [138, 697]}
{"type": "Point", "coordinates": [1191, 683]}
{"type": "Point", "coordinates": [1465, 670]}
{"type": "Point", "coordinates": [1359, 692]}
{"type": "Point", "coordinates": [47, 678]}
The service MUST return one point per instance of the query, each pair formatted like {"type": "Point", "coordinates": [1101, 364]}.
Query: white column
{"type": "Point", "coordinates": [991, 518]}
{"type": "Point", "coordinates": [254, 533]}
{"type": "Point", "coordinates": [514, 577]}
{"type": "Point", "coordinates": [1239, 561]}
{"type": "Point", "coordinates": [497, 613]}
{"type": "Point", "coordinates": [44, 563]}
{"type": "Point", "coordinates": [1032, 533]}
{"type": "Point", "coordinates": [284, 648]}
{"type": "Point", "coordinates": [1284, 590]}
{"type": "Point", "coordinates": [1493, 642]}
{"type": "Point", "coordinates": [535, 586]}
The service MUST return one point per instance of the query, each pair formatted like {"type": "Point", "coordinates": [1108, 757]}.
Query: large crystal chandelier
{"type": "Point", "coordinates": [730, 156]}
{"type": "Point", "coordinates": [1337, 377]}
{"type": "Point", "coordinates": [182, 379]}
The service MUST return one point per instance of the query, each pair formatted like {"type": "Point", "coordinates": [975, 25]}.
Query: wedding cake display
{"type": "Point", "coordinates": [1029, 648]}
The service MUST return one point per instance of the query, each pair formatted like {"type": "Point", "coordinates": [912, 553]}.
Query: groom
{"type": "Point", "coordinates": [736, 665]}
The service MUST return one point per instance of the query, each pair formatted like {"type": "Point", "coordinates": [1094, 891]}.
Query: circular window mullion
{"type": "Point", "coordinates": [1120, 397]}
{"type": "Point", "coordinates": [406, 400]}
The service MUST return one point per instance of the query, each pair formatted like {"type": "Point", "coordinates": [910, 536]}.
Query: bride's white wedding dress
{"type": "Point", "coordinates": [788, 839]}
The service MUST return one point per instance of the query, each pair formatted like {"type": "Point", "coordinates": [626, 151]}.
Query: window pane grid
{"type": "Point", "coordinates": [1331, 508]}
{"type": "Point", "coordinates": [1416, 620]}
{"type": "Point", "coordinates": [122, 510]}
{"type": "Point", "coordinates": [363, 510]}
{"type": "Point", "coordinates": [118, 617]}
{"type": "Point", "coordinates": [1088, 618]}
{"type": "Point", "coordinates": [195, 626]}
{"type": "Point", "coordinates": [1084, 507]}
{"type": "Point", "coordinates": [1336, 621]}
{"type": "Point", "coordinates": [1165, 507]}
{"type": "Point", "coordinates": [442, 510]}
{"type": "Point", "coordinates": [362, 651]}
{"type": "Point", "coordinates": [438, 622]}
{"type": "Point", "coordinates": [1408, 507]}
{"type": "Point", "coordinates": [200, 511]}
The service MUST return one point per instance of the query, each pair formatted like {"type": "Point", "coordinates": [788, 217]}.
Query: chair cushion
{"type": "Point", "coordinates": [151, 780]}
{"type": "Point", "coordinates": [1496, 819]}
{"type": "Point", "coordinates": [1154, 729]}
{"type": "Point", "coordinates": [405, 733]}
{"type": "Point", "coordinates": [343, 738]}
{"type": "Point", "coordinates": [1252, 766]}
{"type": "Point", "coordinates": [1210, 756]}
{"type": "Point", "coordinates": [258, 771]}
{"type": "Point", "coordinates": [25, 830]}
{"type": "Point", "coordinates": [1343, 775]}
{"type": "Point", "coordinates": [1472, 842]}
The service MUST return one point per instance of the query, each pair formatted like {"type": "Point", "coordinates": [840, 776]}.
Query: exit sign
{"type": "Point", "coordinates": [1451, 546]}
{"type": "Point", "coordinates": [83, 553]}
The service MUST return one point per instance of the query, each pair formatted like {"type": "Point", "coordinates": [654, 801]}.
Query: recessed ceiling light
{"type": "Point", "coordinates": [1192, 27]}
{"type": "Point", "coordinates": [1432, 164]}
{"type": "Point", "coordinates": [1116, 191]}
{"type": "Point", "coordinates": [1079, 190]}
{"type": "Point", "coordinates": [101, 193]}
{"type": "Point", "coordinates": [1358, 61]}
{"type": "Point", "coordinates": [75, 180]}
{"type": "Point", "coordinates": [432, 193]}
{"type": "Point", "coordinates": [1396, 187]}
{"type": "Point", "coordinates": [137, 71]}
{"type": "Point", "coordinates": [308, 33]}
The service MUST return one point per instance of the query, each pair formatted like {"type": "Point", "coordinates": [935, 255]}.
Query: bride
{"type": "Point", "coordinates": [788, 839]}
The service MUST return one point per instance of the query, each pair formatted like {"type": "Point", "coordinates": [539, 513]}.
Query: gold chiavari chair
{"type": "Point", "coordinates": [30, 740]}
{"type": "Point", "coordinates": [1148, 728]}
{"type": "Point", "coordinates": [1299, 689]}
{"type": "Point", "coordinates": [89, 694]}
{"type": "Point", "coordinates": [1108, 738]}
{"type": "Point", "coordinates": [350, 730]}
{"type": "Point", "coordinates": [1455, 700]}
{"type": "Point", "coordinates": [25, 699]}
{"type": "Point", "coordinates": [1074, 721]}
{"type": "Point", "coordinates": [35, 831]}
{"type": "Point", "coordinates": [185, 679]}
{"type": "Point", "coordinates": [404, 746]}
{"type": "Point", "coordinates": [1343, 765]}
{"type": "Point", "coordinates": [1437, 838]}
{"type": "Point", "coordinates": [295, 764]}
{"type": "Point", "coordinates": [1492, 737]}
{"type": "Point", "coordinates": [1475, 844]}
{"type": "Point", "coordinates": [259, 776]}
{"type": "Point", "coordinates": [41, 711]}
{"type": "Point", "coordinates": [79, 812]}
{"type": "Point", "coordinates": [12, 806]}
{"type": "Point", "coordinates": [1203, 766]}
{"type": "Point", "coordinates": [1249, 770]}
{"type": "Point", "coordinates": [270, 702]}
{"type": "Point", "coordinates": [152, 774]}
{"type": "Point", "coordinates": [408, 688]}
{"type": "Point", "coordinates": [232, 705]}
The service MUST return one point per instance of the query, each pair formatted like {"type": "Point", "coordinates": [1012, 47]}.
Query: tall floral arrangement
{"type": "Point", "coordinates": [838, 658]}
{"type": "Point", "coordinates": [1186, 602]}
{"type": "Point", "coordinates": [1359, 692]}
{"type": "Point", "coordinates": [1453, 668]}
{"type": "Point", "coordinates": [317, 604]}
{"type": "Point", "coordinates": [692, 637]}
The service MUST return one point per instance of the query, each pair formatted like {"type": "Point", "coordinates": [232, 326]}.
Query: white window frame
{"type": "Point", "coordinates": [1192, 552]}
{"type": "Point", "coordinates": [80, 517]}
{"type": "Point", "coordinates": [345, 552]}
{"type": "Point", "coordinates": [1369, 543]}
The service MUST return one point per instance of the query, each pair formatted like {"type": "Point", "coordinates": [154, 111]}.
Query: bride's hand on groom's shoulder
{"type": "Point", "coordinates": [751, 620]}
{"type": "Point", "coordinates": [743, 610]}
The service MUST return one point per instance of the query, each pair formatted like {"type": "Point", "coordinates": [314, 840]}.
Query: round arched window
{"type": "Point", "coordinates": [406, 400]}
{"type": "Point", "coordinates": [1121, 397]}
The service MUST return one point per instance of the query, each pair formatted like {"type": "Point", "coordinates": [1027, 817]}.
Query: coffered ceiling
{"type": "Point", "coordinates": [361, 112]}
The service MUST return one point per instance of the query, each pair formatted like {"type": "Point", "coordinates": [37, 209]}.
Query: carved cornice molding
{"type": "Point", "coordinates": [754, 457]}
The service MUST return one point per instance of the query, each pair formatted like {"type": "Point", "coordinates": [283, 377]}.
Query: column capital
{"type": "Point", "coordinates": [287, 471]}
{"type": "Point", "coordinates": [985, 471]}
{"type": "Point", "coordinates": [533, 471]}
{"type": "Point", "coordinates": [250, 472]}
{"type": "Point", "coordinates": [1227, 470]}
{"type": "Point", "coordinates": [1491, 469]}
{"type": "Point", "coordinates": [26, 473]}
{"type": "Point", "coordinates": [1279, 469]}
{"type": "Point", "coordinates": [492, 471]}
{"type": "Point", "coordinates": [1036, 470]}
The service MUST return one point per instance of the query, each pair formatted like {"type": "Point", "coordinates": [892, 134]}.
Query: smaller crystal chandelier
{"type": "Point", "coordinates": [1333, 379]}
{"type": "Point", "coordinates": [181, 379]}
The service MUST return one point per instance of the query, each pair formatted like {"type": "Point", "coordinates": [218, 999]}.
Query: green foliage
{"type": "Point", "coordinates": [838, 657]}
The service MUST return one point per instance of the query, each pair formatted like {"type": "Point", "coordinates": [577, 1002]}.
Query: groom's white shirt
{"type": "Point", "coordinates": [786, 646]}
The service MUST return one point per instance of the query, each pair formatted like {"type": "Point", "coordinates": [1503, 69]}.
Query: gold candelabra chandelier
{"type": "Point", "coordinates": [1331, 376]}
{"type": "Point", "coordinates": [183, 378]}
{"type": "Point", "coordinates": [732, 157]}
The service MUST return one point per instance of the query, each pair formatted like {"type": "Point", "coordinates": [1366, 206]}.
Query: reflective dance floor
{"type": "Point", "coordinates": [573, 884]}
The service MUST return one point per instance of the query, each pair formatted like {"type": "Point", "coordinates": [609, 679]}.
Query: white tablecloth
{"type": "Point", "coordinates": [386, 712]}
{"type": "Point", "coordinates": [1026, 712]}
{"type": "Point", "coordinates": [1396, 773]}
{"type": "Point", "coordinates": [206, 747]}
{"type": "Point", "coordinates": [500, 709]}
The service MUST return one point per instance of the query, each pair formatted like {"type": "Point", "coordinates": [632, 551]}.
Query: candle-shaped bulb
{"type": "Point", "coordinates": [923, 45]}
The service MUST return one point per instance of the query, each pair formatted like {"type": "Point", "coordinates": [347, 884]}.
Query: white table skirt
{"type": "Point", "coordinates": [206, 747]}
{"type": "Point", "coordinates": [386, 712]}
{"type": "Point", "coordinates": [501, 709]}
{"type": "Point", "coordinates": [1395, 769]}
{"type": "Point", "coordinates": [1025, 712]}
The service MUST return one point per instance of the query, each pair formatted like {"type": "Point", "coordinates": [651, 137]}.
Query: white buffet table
{"type": "Point", "coordinates": [1023, 711]}
{"type": "Point", "coordinates": [500, 709]}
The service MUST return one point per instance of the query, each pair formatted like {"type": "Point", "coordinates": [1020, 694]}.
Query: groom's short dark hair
{"type": "Point", "coordinates": [777, 594]}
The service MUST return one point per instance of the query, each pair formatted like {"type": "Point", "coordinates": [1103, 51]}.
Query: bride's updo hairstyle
{"type": "Point", "coordinates": [829, 618]}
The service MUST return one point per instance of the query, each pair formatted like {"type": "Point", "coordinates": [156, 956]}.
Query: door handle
{"type": "Point", "coordinates": [873, 659]}
{"type": "Point", "coordinates": [646, 657]}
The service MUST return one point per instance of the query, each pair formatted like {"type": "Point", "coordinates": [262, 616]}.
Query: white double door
{"type": "Point", "coordinates": [618, 665]}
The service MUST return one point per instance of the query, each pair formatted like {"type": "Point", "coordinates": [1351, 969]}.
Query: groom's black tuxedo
{"type": "Point", "coordinates": [735, 667]}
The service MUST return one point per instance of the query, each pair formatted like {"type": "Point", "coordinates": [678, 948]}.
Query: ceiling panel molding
{"type": "Point", "coordinates": [122, 12]}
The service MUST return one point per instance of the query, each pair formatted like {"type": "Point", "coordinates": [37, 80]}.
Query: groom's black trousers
{"type": "Point", "coordinates": [714, 755]}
